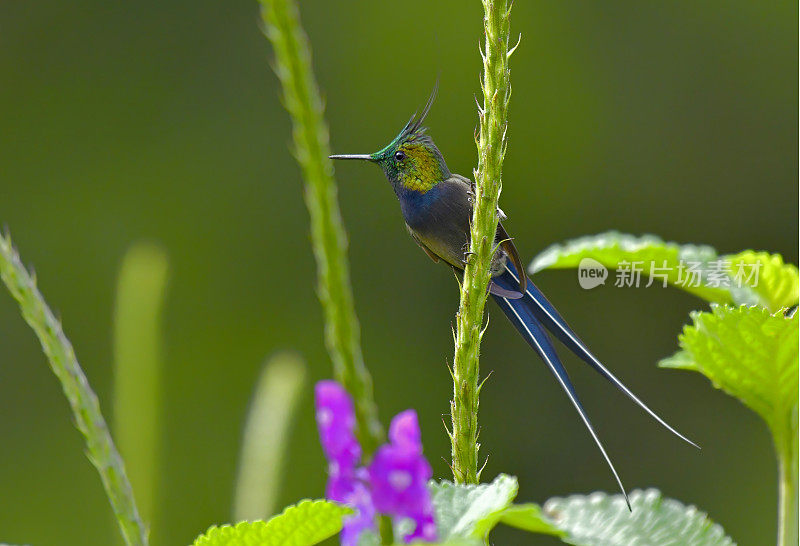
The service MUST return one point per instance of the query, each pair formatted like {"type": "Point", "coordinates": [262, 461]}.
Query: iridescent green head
{"type": "Point", "coordinates": [411, 161]}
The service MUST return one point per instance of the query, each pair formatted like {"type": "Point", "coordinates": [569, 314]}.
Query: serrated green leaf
{"type": "Point", "coordinates": [668, 261]}
{"type": "Point", "coordinates": [529, 517]}
{"type": "Point", "coordinates": [775, 282]}
{"type": "Point", "coordinates": [471, 511]}
{"type": "Point", "coordinates": [303, 524]}
{"type": "Point", "coordinates": [750, 354]}
{"type": "Point", "coordinates": [600, 519]}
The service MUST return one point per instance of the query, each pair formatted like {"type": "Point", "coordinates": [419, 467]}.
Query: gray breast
{"type": "Point", "coordinates": [440, 220]}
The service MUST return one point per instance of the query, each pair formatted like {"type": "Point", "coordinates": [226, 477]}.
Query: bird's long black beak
{"type": "Point", "coordinates": [363, 157]}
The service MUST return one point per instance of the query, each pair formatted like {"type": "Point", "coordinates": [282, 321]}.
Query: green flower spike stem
{"type": "Point", "coordinates": [302, 100]}
{"type": "Point", "coordinates": [137, 417]}
{"type": "Point", "coordinates": [491, 144]}
{"type": "Point", "coordinates": [83, 401]}
{"type": "Point", "coordinates": [266, 435]}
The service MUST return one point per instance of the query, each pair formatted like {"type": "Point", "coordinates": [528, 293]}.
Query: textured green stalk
{"type": "Point", "coordinates": [265, 437]}
{"type": "Point", "coordinates": [83, 401]}
{"type": "Point", "coordinates": [469, 320]}
{"type": "Point", "coordinates": [302, 100]}
{"type": "Point", "coordinates": [137, 369]}
{"type": "Point", "coordinates": [787, 490]}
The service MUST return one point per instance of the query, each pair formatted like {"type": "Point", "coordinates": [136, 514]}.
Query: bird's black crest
{"type": "Point", "coordinates": [414, 126]}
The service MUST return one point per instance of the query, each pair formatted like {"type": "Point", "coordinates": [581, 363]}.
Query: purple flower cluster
{"type": "Point", "coordinates": [394, 482]}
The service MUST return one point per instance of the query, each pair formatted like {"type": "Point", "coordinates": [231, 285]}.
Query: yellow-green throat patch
{"type": "Point", "coordinates": [420, 170]}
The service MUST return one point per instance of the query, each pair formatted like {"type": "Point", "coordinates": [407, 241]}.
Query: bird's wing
{"type": "Point", "coordinates": [507, 244]}
{"type": "Point", "coordinates": [471, 192]}
{"type": "Point", "coordinates": [422, 245]}
{"type": "Point", "coordinates": [442, 230]}
{"type": "Point", "coordinates": [464, 180]}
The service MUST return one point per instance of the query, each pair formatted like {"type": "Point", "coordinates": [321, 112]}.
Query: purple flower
{"type": "Point", "coordinates": [336, 421]}
{"type": "Point", "coordinates": [399, 474]}
{"type": "Point", "coordinates": [404, 431]}
{"type": "Point", "coordinates": [363, 520]}
{"type": "Point", "coordinates": [394, 483]}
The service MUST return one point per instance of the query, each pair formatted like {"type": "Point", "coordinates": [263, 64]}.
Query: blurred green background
{"type": "Point", "coordinates": [160, 121]}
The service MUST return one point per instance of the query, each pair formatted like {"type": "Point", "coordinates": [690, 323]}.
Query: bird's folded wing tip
{"type": "Point", "coordinates": [504, 293]}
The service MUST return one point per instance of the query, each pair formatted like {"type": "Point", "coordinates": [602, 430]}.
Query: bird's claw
{"type": "Point", "coordinates": [467, 257]}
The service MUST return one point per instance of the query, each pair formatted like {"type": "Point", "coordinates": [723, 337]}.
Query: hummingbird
{"type": "Point", "coordinates": [436, 205]}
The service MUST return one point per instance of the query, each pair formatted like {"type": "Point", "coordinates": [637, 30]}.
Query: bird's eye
{"type": "Point", "coordinates": [399, 155]}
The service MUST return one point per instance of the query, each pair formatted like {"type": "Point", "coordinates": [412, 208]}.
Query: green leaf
{"type": "Point", "coordinates": [697, 269]}
{"type": "Point", "coordinates": [471, 511]}
{"type": "Point", "coordinates": [529, 517]}
{"type": "Point", "coordinates": [600, 519]}
{"type": "Point", "coordinates": [302, 524]}
{"type": "Point", "coordinates": [775, 283]}
{"type": "Point", "coordinates": [749, 353]}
